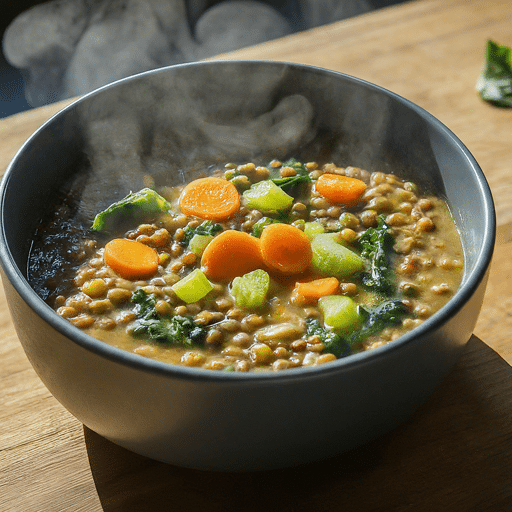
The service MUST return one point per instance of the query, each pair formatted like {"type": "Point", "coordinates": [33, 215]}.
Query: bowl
{"type": "Point", "coordinates": [175, 122]}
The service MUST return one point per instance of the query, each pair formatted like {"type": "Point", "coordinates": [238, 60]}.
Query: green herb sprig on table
{"type": "Point", "coordinates": [495, 82]}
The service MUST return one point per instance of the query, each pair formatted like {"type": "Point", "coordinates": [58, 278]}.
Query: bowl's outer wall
{"type": "Point", "coordinates": [242, 422]}
{"type": "Point", "coordinates": [241, 425]}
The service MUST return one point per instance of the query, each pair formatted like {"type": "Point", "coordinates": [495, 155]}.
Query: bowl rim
{"type": "Point", "coordinates": [470, 281]}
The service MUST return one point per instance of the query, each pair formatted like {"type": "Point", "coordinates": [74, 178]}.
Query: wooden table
{"type": "Point", "coordinates": [456, 452]}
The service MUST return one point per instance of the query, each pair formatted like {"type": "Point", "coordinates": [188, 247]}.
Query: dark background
{"type": "Point", "coordinates": [12, 97]}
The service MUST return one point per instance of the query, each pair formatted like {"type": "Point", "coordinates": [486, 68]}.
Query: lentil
{"type": "Point", "coordinates": [67, 312]}
{"type": "Point", "coordinates": [261, 353]}
{"type": "Point", "coordinates": [119, 295]}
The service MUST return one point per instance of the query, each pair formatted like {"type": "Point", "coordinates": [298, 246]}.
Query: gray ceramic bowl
{"type": "Point", "coordinates": [184, 118]}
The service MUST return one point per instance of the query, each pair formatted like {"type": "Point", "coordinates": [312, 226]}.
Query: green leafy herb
{"type": "Point", "coordinates": [287, 183]}
{"type": "Point", "coordinates": [302, 175]}
{"type": "Point", "coordinates": [178, 330]}
{"type": "Point", "coordinates": [376, 244]}
{"type": "Point", "coordinates": [260, 225]}
{"type": "Point", "coordinates": [295, 164]}
{"type": "Point", "coordinates": [495, 81]}
{"type": "Point", "coordinates": [334, 343]}
{"type": "Point", "coordinates": [136, 205]}
{"type": "Point", "coordinates": [206, 228]}
{"type": "Point", "coordinates": [384, 315]}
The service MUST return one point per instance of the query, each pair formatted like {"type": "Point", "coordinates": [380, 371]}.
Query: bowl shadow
{"type": "Point", "coordinates": [448, 456]}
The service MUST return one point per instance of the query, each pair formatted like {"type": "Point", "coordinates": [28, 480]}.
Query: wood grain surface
{"type": "Point", "coordinates": [454, 454]}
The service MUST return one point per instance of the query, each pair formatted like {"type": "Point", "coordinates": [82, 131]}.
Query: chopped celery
{"type": "Point", "coordinates": [311, 229]}
{"type": "Point", "coordinates": [145, 202]}
{"type": "Point", "coordinates": [198, 244]}
{"type": "Point", "coordinates": [267, 197]}
{"type": "Point", "coordinates": [340, 313]}
{"type": "Point", "coordinates": [333, 259]}
{"type": "Point", "coordinates": [250, 290]}
{"type": "Point", "coordinates": [370, 322]}
{"type": "Point", "coordinates": [192, 287]}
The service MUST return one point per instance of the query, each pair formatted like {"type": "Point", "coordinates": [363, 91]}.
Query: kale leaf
{"type": "Point", "coordinates": [334, 343]}
{"type": "Point", "coordinates": [495, 81]}
{"type": "Point", "coordinates": [376, 245]}
{"type": "Point", "coordinates": [205, 228]}
{"type": "Point", "coordinates": [384, 315]}
{"type": "Point", "coordinates": [302, 175]}
{"type": "Point", "coordinates": [178, 330]}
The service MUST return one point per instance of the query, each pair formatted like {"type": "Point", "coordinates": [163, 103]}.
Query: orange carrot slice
{"type": "Point", "coordinates": [131, 259]}
{"type": "Point", "coordinates": [309, 292]}
{"type": "Point", "coordinates": [231, 254]}
{"type": "Point", "coordinates": [285, 248]}
{"type": "Point", "coordinates": [210, 198]}
{"type": "Point", "coordinates": [340, 189]}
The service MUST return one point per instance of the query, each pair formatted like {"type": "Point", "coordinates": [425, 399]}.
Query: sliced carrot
{"type": "Point", "coordinates": [285, 248]}
{"type": "Point", "coordinates": [231, 254]}
{"type": "Point", "coordinates": [131, 259]}
{"type": "Point", "coordinates": [340, 189]}
{"type": "Point", "coordinates": [309, 292]}
{"type": "Point", "coordinates": [210, 198]}
{"type": "Point", "coordinates": [288, 280]}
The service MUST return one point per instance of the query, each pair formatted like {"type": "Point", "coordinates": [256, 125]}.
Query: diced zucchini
{"type": "Point", "coordinates": [331, 258]}
{"type": "Point", "coordinates": [340, 313]}
{"type": "Point", "coordinates": [192, 287]}
{"type": "Point", "coordinates": [198, 244]}
{"type": "Point", "coordinates": [250, 290]}
{"type": "Point", "coordinates": [267, 197]}
{"type": "Point", "coordinates": [311, 229]}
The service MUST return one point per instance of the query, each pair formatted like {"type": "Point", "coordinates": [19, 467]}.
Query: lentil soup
{"type": "Point", "coordinates": [255, 268]}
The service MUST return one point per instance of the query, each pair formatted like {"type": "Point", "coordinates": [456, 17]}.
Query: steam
{"type": "Point", "coordinates": [171, 126]}
{"type": "Point", "coordinates": [66, 48]}
{"type": "Point", "coordinates": [163, 128]}
{"type": "Point", "coordinates": [277, 130]}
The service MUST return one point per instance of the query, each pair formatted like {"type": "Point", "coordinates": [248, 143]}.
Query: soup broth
{"type": "Point", "coordinates": [286, 265]}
